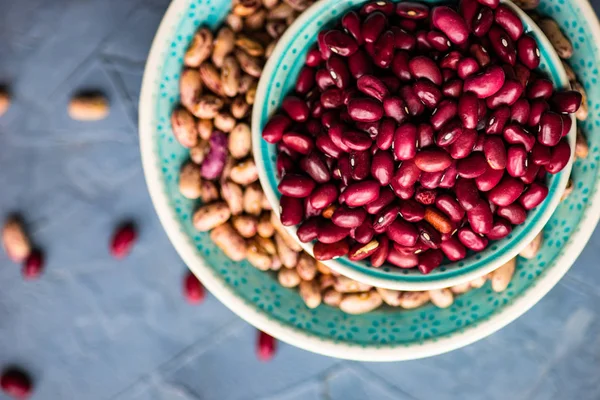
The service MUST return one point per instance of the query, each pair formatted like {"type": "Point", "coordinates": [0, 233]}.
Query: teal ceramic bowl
{"type": "Point", "coordinates": [386, 334]}
{"type": "Point", "coordinates": [278, 80]}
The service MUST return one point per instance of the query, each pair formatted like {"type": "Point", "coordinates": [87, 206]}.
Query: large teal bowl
{"type": "Point", "coordinates": [385, 334]}
{"type": "Point", "coordinates": [278, 80]}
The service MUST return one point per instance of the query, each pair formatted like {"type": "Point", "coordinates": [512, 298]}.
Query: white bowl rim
{"type": "Point", "coordinates": [291, 335]}
{"type": "Point", "coordinates": [384, 282]}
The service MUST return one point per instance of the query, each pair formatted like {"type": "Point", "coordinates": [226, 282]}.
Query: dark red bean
{"type": "Point", "coordinates": [386, 196]}
{"type": "Point", "coordinates": [422, 42]}
{"type": "Point", "coordinates": [402, 39]}
{"type": "Point", "coordinates": [495, 152]}
{"type": "Point", "coordinates": [340, 43]}
{"type": "Point", "coordinates": [425, 135]}
{"type": "Point", "coordinates": [472, 240]}
{"type": "Point", "coordinates": [348, 217]}
{"type": "Point", "coordinates": [274, 129]}
{"type": "Point", "coordinates": [452, 88]}
{"type": "Point", "coordinates": [357, 141]}
{"type": "Point", "coordinates": [379, 257]}
{"type": "Point", "coordinates": [16, 384]}
{"type": "Point", "coordinates": [400, 65]}
{"type": "Point", "coordinates": [560, 156]}
{"type": "Point", "coordinates": [299, 143]}
{"type": "Point", "coordinates": [450, 60]}
{"type": "Point", "coordinates": [395, 108]}
{"type": "Point", "coordinates": [500, 230]}
{"type": "Point", "coordinates": [308, 230]}
{"type": "Point", "coordinates": [432, 160]}
{"type": "Point", "coordinates": [424, 67]}
{"type": "Point", "coordinates": [566, 102]}
{"type": "Point", "coordinates": [427, 92]}
{"type": "Point", "coordinates": [328, 232]}
{"type": "Point", "coordinates": [472, 166]}
{"type": "Point", "coordinates": [408, 173]}
{"type": "Point", "coordinates": [305, 81]}
{"type": "Point", "coordinates": [323, 79]}
{"type": "Point", "coordinates": [373, 26]}
{"type": "Point", "coordinates": [502, 45]}
{"type": "Point", "coordinates": [453, 249]}
{"type": "Point", "coordinates": [567, 124]}
{"type": "Point", "coordinates": [489, 179]}
{"type": "Point", "coordinates": [507, 191]}
{"type": "Point", "coordinates": [409, 25]}
{"type": "Point", "coordinates": [451, 23]}
{"type": "Point", "coordinates": [449, 206]}
{"type": "Point", "coordinates": [313, 57]}
{"type": "Point", "coordinates": [514, 134]}
{"type": "Point", "coordinates": [360, 193]}
{"type": "Point", "coordinates": [402, 259]}
{"type": "Point", "coordinates": [468, 9]}
{"type": "Point", "coordinates": [385, 7]}
{"type": "Point", "coordinates": [430, 260]}
{"type": "Point", "coordinates": [309, 210]}
{"type": "Point", "coordinates": [446, 110]}
{"type": "Point", "coordinates": [405, 142]}
{"type": "Point", "coordinates": [468, 109]}
{"type": "Point", "coordinates": [480, 53]}
{"type": "Point", "coordinates": [519, 111]}
{"type": "Point", "coordinates": [498, 120]}
{"type": "Point", "coordinates": [528, 51]}
{"type": "Point", "coordinates": [412, 10]}
{"type": "Point", "coordinates": [324, 251]}
{"type": "Point", "coordinates": [507, 95]}
{"type": "Point", "coordinates": [481, 218]}
{"type": "Point", "coordinates": [538, 107]}
{"type": "Point", "coordinates": [392, 82]}
{"type": "Point", "coordinates": [466, 193]}
{"type": "Point", "coordinates": [483, 21]}
{"type": "Point", "coordinates": [359, 64]}
{"type": "Point", "coordinates": [336, 134]}
{"type": "Point", "coordinates": [403, 192]}
{"type": "Point", "coordinates": [402, 232]}
{"type": "Point", "coordinates": [292, 210]}
{"type": "Point", "coordinates": [467, 67]}
{"type": "Point", "coordinates": [295, 185]}
{"type": "Point", "coordinates": [372, 86]}
{"type": "Point", "coordinates": [510, 22]}
{"type": "Point", "coordinates": [382, 167]}
{"type": "Point", "coordinates": [449, 133]}
{"type": "Point", "coordinates": [531, 172]}
{"type": "Point", "coordinates": [123, 240]}
{"type": "Point", "coordinates": [33, 266]}
{"type": "Point", "coordinates": [438, 40]}
{"type": "Point", "coordinates": [486, 83]}
{"type": "Point", "coordinates": [360, 164]}
{"type": "Point", "coordinates": [364, 233]}
{"type": "Point", "coordinates": [384, 49]}
{"type": "Point", "coordinates": [551, 126]}
{"type": "Point", "coordinates": [385, 136]}
{"type": "Point", "coordinates": [411, 211]}
{"type": "Point", "coordinates": [323, 196]}
{"type": "Point", "coordinates": [343, 170]}
{"type": "Point", "coordinates": [516, 164]}
{"type": "Point", "coordinates": [385, 217]}
{"type": "Point", "coordinates": [365, 110]}
{"type": "Point", "coordinates": [449, 178]}
{"type": "Point", "coordinates": [352, 24]}
{"type": "Point", "coordinates": [540, 154]}
{"type": "Point", "coordinates": [325, 144]}
{"type": "Point", "coordinates": [314, 165]}
{"type": "Point", "coordinates": [513, 212]}
{"type": "Point", "coordinates": [284, 164]}
{"type": "Point", "coordinates": [540, 89]}
{"type": "Point", "coordinates": [533, 196]}
{"type": "Point", "coordinates": [338, 69]}
{"type": "Point", "coordinates": [295, 108]}
{"type": "Point", "coordinates": [431, 180]}
{"type": "Point", "coordinates": [323, 49]}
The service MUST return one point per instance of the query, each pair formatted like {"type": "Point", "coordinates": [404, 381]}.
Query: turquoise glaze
{"type": "Point", "coordinates": [258, 297]}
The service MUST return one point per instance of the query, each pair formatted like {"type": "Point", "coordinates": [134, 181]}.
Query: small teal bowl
{"type": "Point", "coordinates": [278, 79]}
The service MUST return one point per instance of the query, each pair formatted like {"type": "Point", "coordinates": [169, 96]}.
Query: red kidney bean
{"type": "Point", "coordinates": [432, 160]}
{"type": "Point", "coordinates": [438, 40]}
{"type": "Point", "coordinates": [307, 231]}
{"type": "Point", "coordinates": [360, 252]}
{"type": "Point", "coordinates": [519, 111]}
{"type": "Point", "coordinates": [533, 196]}
{"type": "Point", "coordinates": [512, 212]}
{"type": "Point", "coordinates": [567, 123]}
{"type": "Point", "coordinates": [328, 232]}
{"type": "Point", "coordinates": [540, 89]}
{"type": "Point", "coordinates": [385, 136]}
{"type": "Point", "coordinates": [323, 49]}
{"type": "Point", "coordinates": [292, 210]}
{"type": "Point", "coordinates": [405, 142]}
{"type": "Point", "coordinates": [468, 110]}
{"type": "Point", "coordinates": [528, 51]}
{"type": "Point", "coordinates": [411, 211]}
{"type": "Point", "coordinates": [500, 230]}
{"type": "Point", "coordinates": [522, 74]}
{"type": "Point", "coordinates": [472, 166]}
{"type": "Point", "coordinates": [384, 50]}
{"type": "Point", "coordinates": [313, 57]}
{"type": "Point", "coordinates": [348, 217]}
{"type": "Point", "coordinates": [450, 60]}
{"type": "Point", "coordinates": [449, 206]}
{"type": "Point", "coordinates": [449, 133]}
{"type": "Point", "coordinates": [453, 249]}
{"type": "Point", "coordinates": [510, 22]}
{"type": "Point", "coordinates": [425, 135]}
{"type": "Point", "coordinates": [447, 109]}
{"type": "Point", "coordinates": [395, 108]}
{"type": "Point", "coordinates": [516, 164]}
{"type": "Point", "coordinates": [392, 82]}
{"type": "Point", "coordinates": [274, 129]}
{"type": "Point", "coordinates": [402, 233]}
{"type": "Point", "coordinates": [402, 39]}
{"type": "Point", "coordinates": [385, 217]}
{"type": "Point", "coordinates": [407, 174]}
{"type": "Point", "coordinates": [431, 180]}
{"type": "Point", "coordinates": [329, 119]}
{"type": "Point", "coordinates": [479, 143]}
{"type": "Point", "coordinates": [480, 53]}
{"type": "Point", "coordinates": [373, 26]}
{"type": "Point", "coordinates": [309, 210]}
{"type": "Point", "coordinates": [540, 154]}
{"type": "Point", "coordinates": [386, 196]}
{"type": "Point", "coordinates": [430, 260]}
{"type": "Point", "coordinates": [489, 179]}
{"type": "Point", "coordinates": [427, 92]}
{"type": "Point", "coordinates": [507, 191]}
{"type": "Point", "coordinates": [531, 172]}
{"type": "Point", "coordinates": [451, 23]}
{"type": "Point", "coordinates": [559, 158]}
{"type": "Point", "coordinates": [495, 152]}
{"type": "Point", "coordinates": [550, 131]}
{"type": "Point", "coordinates": [472, 240]}
{"type": "Point", "coordinates": [364, 233]}
{"type": "Point", "coordinates": [467, 67]}
{"type": "Point", "coordinates": [317, 110]}
{"type": "Point", "coordinates": [424, 67]}
{"type": "Point", "coordinates": [422, 42]}
{"type": "Point", "coordinates": [379, 257]}
{"type": "Point", "coordinates": [490, 3]}
{"type": "Point", "coordinates": [313, 127]}
{"type": "Point", "coordinates": [323, 196]}
{"type": "Point", "coordinates": [448, 74]}
{"type": "Point", "coordinates": [352, 24]}
{"type": "Point", "coordinates": [428, 235]}
{"type": "Point", "coordinates": [402, 259]}
{"type": "Point", "coordinates": [294, 185]}
{"type": "Point", "coordinates": [295, 108]}
{"type": "Point", "coordinates": [323, 79]}
{"type": "Point", "coordinates": [425, 196]}
{"type": "Point", "coordinates": [486, 83]}
{"type": "Point", "coordinates": [385, 7]}
{"type": "Point", "coordinates": [299, 143]}
{"type": "Point", "coordinates": [343, 170]}
{"type": "Point", "coordinates": [449, 178]}
{"type": "Point", "coordinates": [502, 45]}
{"type": "Point", "coordinates": [330, 251]}
{"type": "Point", "coordinates": [357, 141]}
{"type": "Point", "coordinates": [382, 167]}
{"type": "Point", "coordinates": [359, 64]}
{"type": "Point", "coordinates": [481, 218]}
{"type": "Point", "coordinates": [285, 164]}
{"type": "Point", "coordinates": [400, 65]}
{"type": "Point", "coordinates": [360, 164]}
{"type": "Point", "coordinates": [340, 43]}
{"type": "Point", "coordinates": [409, 25]}
{"type": "Point", "coordinates": [452, 88]}
{"type": "Point", "coordinates": [372, 128]}
{"type": "Point", "coordinates": [466, 193]}
{"type": "Point", "coordinates": [468, 9]}
{"type": "Point", "coordinates": [360, 193]}
{"type": "Point", "coordinates": [514, 134]}
{"type": "Point", "coordinates": [498, 120]}
{"type": "Point", "coordinates": [566, 102]}
{"type": "Point", "coordinates": [336, 133]}
{"type": "Point", "coordinates": [337, 68]}
{"type": "Point", "coordinates": [372, 86]}
{"type": "Point", "coordinates": [365, 110]}
{"type": "Point", "coordinates": [483, 22]}
{"type": "Point", "coordinates": [411, 10]}
{"type": "Point", "coordinates": [507, 95]}
{"type": "Point", "coordinates": [305, 81]}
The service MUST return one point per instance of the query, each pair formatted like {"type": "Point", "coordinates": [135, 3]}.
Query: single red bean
{"type": "Point", "coordinates": [382, 167]}
{"type": "Point", "coordinates": [384, 49]}
{"type": "Point", "coordinates": [392, 82]}
{"type": "Point", "coordinates": [356, 140]}
{"type": "Point", "coordinates": [323, 49]}
{"type": "Point", "coordinates": [500, 230]}
{"type": "Point", "coordinates": [402, 233]}
{"type": "Point", "coordinates": [447, 109]}
{"type": "Point", "coordinates": [516, 164]}
{"type": "Point", "coordinates": [479, 143]}
{"type": "Point", "coordinates": [372, 128]}
{"type": "Point", "coordinates": [360, 193]}
{"type": "Point", "coordinates": [317, 110]}
{"type": "Point", "coordinates": [540, 89]}
{"type": "Point", "coordinates": [16, 383]}
{"type": "Point", "coordinates": [305, 81]}
{"type": "Point", "coordinates": [448, 75]}
{"type": "Point", "coordinates": [352, 24]}
{"type": "Point", "coordinates": [33, 266]}
{"type": "Point", "coordinates": [313, 57]}
{"type": "Point", "coordinates": [503, 45]}
{"type": "Point", "coordinates": [295, 108]}
{"type": "Point", "coordinates": [299, 143]}
{"type": "Point", "coordinates": [449, 178]}
{"type": "Point", "coordinates": [405, 142]}
{"type": "Point", "coordinates": [330, 119]}
{"type": "Point", "coordinates": [560, 156]}
{"type": "Point", "coordinates": [395, 108]}
{"type": "Point", "coordinates": [519, 111]}
{"type": "Point", "coordinates": [338, 69]}
{"type": "Point", "coordinates": [379, 257]}
{"type": "Point", "coordinates": [407, 174]}
{"type": "Point", "coordinates": [411, 211]}
{"type": "Point", "coordinates": [314, 165]}
{"type": "Point", "coordinates": [412, 10]}
{"type": "Point", "coordinates": [510, 22]}
{"type": "Point", "coordinates": [507, 191]}
{"type": "Point", "coordinates": [431, 180]}
{"type": "Point", "coordinates": [489, 179]}
{"type": "Point", "coordinates": [123, 241]}
{"type": "Point", "coordinates": [385, 217]}
{"type": "Point", "coordinates": [449, 206]}
{"type": "Point", "coordinates": [486, 83]}
{"type": "Point", "coordinates": [432, 160]}
{"type": "Point", "coordinates": [490, 3]}
{"type": "Point", "coordinates": [360, 164]}
{"type": "Point", "coordinates": [468, 109]}
{"type": "Point", "coordinates": [498, 120]}
{"type": "Point", "coordinates": [481, 218]}
{"type": "Point", "coordinates": [438, 41]}
{"type": "Point", "coordinates": [453, 249]}
{"type": "Point", "coordinates": [324, 79]}
{"type": "Point", "coordinates": [330, 251]}
{"type": "Point", "coordinates": [309, 210]}
{"type": "Point", "coordinates": [373, 26]}
{"type": "Point", "coordinates": [467, 67]}
{"type": "Point", "coordinates": [323, 196]}
{"type": "Point", "coordinates": [531, 172]}
{"type": "Point", "coordinates": [343, 170]}
{"type": "Point", "coordinates": [507, 95]}
{"type": "Point", "coordinates": [452, 88]}
{"type": "Point", "coordinates": [423, 45]}
{"type": "Point", "coordinates": [385, 7]}
{"type": "Point", "coordinates": [336, 134]}
{"type": "Point", "coordinates": [514, 134]}
{"type": "Point", "coordinates": [295, 185]}
{"type": "Point", "coordinates": [328, 232]}
{"type": "Point", "coordinates": [424, 67]}
{"type": "Point", "coordinates": [313, 127]}
{"type": "Point", "coordinates": [468, 9]}
{"type": "Point", "coordinates": [409, 25]}
{"type": "Point", "coordinates": [292, 210]}
{"type": "Point", "coordinates": [386, 196]}
{"type": "Point", "coordinates": [274, 129]}
{"type": "Point", "coordinates": [284, 164]}
{"type": "Point", "coordinates": [325, 144]}
{"type": "Point", "coordinates": [480, 53]}
{"type": "Point", "coordinates": [522, 74]}
{"type": "Point", "coordinates": [385, 136]}
{"type": "Point", "coordinates": [359, 64]}
{"type": "Point", "coordinates": [533, 196]}
{"type": "Point", "coordinates": [566, 102]}
{"type": "Point", "coordinates": [430, 260]}
{"type": "Point", "coordinates": [528, 51]}
{"type": "Point", "coordinates": [340, 43]}
{"type": "Point", "coordinates": [402, 259]}
{"type": "Point", "coordinates": [400, 65]}
{"type": "Point", "coordinates": [427, 92]}
{"type": "Point", "coordinates": [372, 86]}
{"type": "Point", "coordinates": [402, 39]}
{"type": "Point", "coordinates": [567, 124]}
{"type": "Point", "coordinates": [512, 212]}
{"type": "Point", "coordinates": [483, 21]}
{"type": "Point", "coordinates": [404, 192]}
{"type": "Point", "coordinates": [550, 131]}
{"type": "Point", "coordinates": [449, 133]}
{"type": "Point", "coordinates": [451, 60]}
{"type": "Point", "coordinates": [425, 196]}
{"type": "Point", "coordinates": [466, 193]}
{"type": "Point", "coordinates": [471, 240]}
{"type": "Point", "coordinates": [472, 166]}
{"type": "Point", "coordinates": [538, 107]}
{"type": "Point", "coordinates": [308, 230]}
{"type": "Point", "coordinates": [425, 135]}
{"type": "Point", "coordinates": [365, 110]}
{"type": "Point", "coordinates": [364, 233]}
{"type": "Point", "coordinates": [495, 152]}
{"type": "Point", "coordinates": [540, 154]}
{"type": "Point", "coordinates": [348, 217]}
{"type": "Point", "coordinates": [451, 23]}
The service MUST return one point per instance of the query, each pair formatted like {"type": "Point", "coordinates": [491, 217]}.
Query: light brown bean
{"type": "Point", "coordinates": [210, 192]}
{"type": "Point", "coordinates": [234, 22]}
{"type": "Point", "coordinates": [199, 49]}
{"type": "Point", "coordinates": [344, 284]}
{"type": "Point", "coordinates": [461, 288]}
{"type": "Point", "coordinates": [211, 215]}
{"type": "Point", "coordinates": [390, 297]}
{"type": "Point", "coordinates": [223, 45]}
{"type": "Point", "coordinates": [442, 298]}
{"type": "Point", "coordinates": [88, 107]}
{"type": "Point", "coordinates": [559, 41]}
{"type": "Point", "coordinates": [233, 195]}
{"type": "Point", "coordinates": [183, 125]}
{"type": "Point", "coordinates": [332, 298]}
{"type": "Point", "coordinates": [280, 11]}
{"type": "Point", "coordinates": [230, 76]}
{"type": "Point", "coordinates": [250, 65]}
{"type": "Point", "coordinates": [265, 227]}
{"type": "Point", "coordinates": [323, 269]}
{"type": "Point", "coordinates": [581, 145]}
{"type": "Point", "coordinates": [208, 107]}
{"type": "Point", "coordinates": [245, 225]}
{"type": "Point", "coordinates": [276, 263]}
{"type": "Point", "coordinates": [288, 257]}
{"type": "Point", "coordinates": [306, 267]}
{"type": "Point", "coordinates": [244, 8]}
{"type": "Point", "coordinates": [4, 102]}
{"type": "Point", "coordinates": [570, 73]}
{"type": "Point", "coordinates": [190, 88]}
{"type": "Point", "coordinates": [239, 108]}
{"type": "Point", "coordinates": [199, 152]}
{"type": "Point", "coordinates": [211, 79]}
{"type": "Point", "coordinates": [310, 293]}
{"type": "Point", "coordinates": [288, 277]}
{"type": "Point", "coordinates": [190, 180]}
{"type": "Point", "coordinates": [251, 201]}
{"type": "Point", "coordinates": [205, 128]}
{"type": "Point", "coordinates": [224, 121]}
{"type": "Point", "coordinates": [478, 282]}
{"type": "Point", "coordinates": [267, 244]}
{"type": "Point", "coordinates": [15, 240]}
{"type": "Point", "coordinates": [229, 241]}
{"type": "Point", "coordinates": [240, 141]}
{"type": "Point", "coordinates": [258, 257]}
{"type": "Point", "coordinates": [244, 172]}
{"type": "Point", "coordinates": [361, 303]}
{"type": "Point", "coordinates": [533, 247]}
{"type": "Point", "coordinates": [280, 229]}
{"type": "Point", "coordinates": [252, 47]}
{"type": "Point", "coordinates": [501, 277]}
{"type": "Point", "coordinates": [583, 111]}
{"type": "Point", "coordinates": [410, 300]}
{"type": "Point", "coordinates": [326, 281]}
{"type": "Point", "coordinates": [255, 21]}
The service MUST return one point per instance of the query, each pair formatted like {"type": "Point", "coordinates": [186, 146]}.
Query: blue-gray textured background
{"type": "Point", "coordinates": [93, 328]}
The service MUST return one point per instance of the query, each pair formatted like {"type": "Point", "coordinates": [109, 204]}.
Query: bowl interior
{"type": "Point", "coordinates": [385, 334]}
{"type": "Point", "coordinates": [279, 79]}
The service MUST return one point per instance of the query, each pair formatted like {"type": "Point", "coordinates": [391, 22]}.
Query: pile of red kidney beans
{"type": "Point", "coordinates": [416, 133]}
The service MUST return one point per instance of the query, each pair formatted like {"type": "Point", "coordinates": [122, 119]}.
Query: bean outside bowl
{"type": "Point", "coordinates": [278, 79]}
